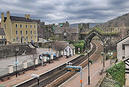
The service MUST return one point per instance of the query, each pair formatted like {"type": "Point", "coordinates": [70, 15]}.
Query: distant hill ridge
{"type": "Point", "coordinates": [121, 21]}
{"type": "Point", "coordinates": [91, 25]}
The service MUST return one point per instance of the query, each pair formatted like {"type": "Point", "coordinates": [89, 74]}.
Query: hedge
{"type": "Point", "coordinates": [118, 73]}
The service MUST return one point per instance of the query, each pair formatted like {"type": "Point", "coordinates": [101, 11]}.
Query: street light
{"type": "Point", "coordinates": [103, 54]}
{"type": "Point", "coordinates": [16, 62]}
{"type": "Point", "coordinates": [88, 68]}
{"type": "Point", "coordinates": [37, 77]}
{"type": "Point", "coordinates": [110, 55]}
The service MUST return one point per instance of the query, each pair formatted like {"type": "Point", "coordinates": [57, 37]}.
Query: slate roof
{"type": "Point", "coordinates": [60, 30]}
{"type": "Point", "coordinates": [15, 18]}
{"type": "Point", "coordinates": [61, 45]}
{"type": "Point", "coordinates": [2, 31]}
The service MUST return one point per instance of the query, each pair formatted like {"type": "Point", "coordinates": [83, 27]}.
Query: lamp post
{"type": "Point", "coordinates": [110, 55]}
{"type": "Point", "coordinates": [16, 62]}
{"type": "Point", "coordinates": [88, 68]}
{"type": "Point", "coordinates": [102, 53]}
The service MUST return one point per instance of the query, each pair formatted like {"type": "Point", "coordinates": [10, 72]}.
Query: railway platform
{"type": "Point", "coordinates": [39, 70]}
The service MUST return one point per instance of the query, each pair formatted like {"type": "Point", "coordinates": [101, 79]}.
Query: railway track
{"type": "Point", "coordinates": [48, 77]}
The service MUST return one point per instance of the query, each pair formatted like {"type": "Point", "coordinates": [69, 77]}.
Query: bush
{"type": "Point", "coordinates": [80, 44]}
{"type": "Point", "coordinates": [118, 73]}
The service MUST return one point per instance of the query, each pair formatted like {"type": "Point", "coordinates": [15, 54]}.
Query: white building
{"type": "Point", "coordinates": [63, 48]}
{"type": "Point", "coordinates": [123, 49]}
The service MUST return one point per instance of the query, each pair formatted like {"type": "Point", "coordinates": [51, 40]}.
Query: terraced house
{"type": "Point", "coordinates": [19, 29]}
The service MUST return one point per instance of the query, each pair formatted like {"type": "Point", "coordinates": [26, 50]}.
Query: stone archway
{"type": "Point", "coordinates": [90, 36]}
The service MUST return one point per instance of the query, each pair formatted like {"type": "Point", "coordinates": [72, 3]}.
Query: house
{"type": "Point", "coordinates": [45, 31]}
{"type": "Point", "coordinates": [19, 29]}
{"type": "Point", "coordinates": [123, 49]}
{"type": "Point", "coordinates": [66, 33]}
{"type": "Point", "coordinates": [2, 37]}
{"type": "Point", "coordinates": [63, 48]}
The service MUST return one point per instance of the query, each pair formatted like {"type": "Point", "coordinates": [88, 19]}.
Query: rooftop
{"type": "Point", "coordinates": [15, 18]}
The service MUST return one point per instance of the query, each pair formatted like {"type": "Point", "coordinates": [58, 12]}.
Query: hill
{"type": "Point", "coordinates": [121, 21]}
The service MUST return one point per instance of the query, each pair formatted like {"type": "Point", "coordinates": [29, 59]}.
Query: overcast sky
{"type": "Point", "coordinates": [74, 11]}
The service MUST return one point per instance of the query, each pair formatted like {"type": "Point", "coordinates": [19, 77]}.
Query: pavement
{"type": "Point", "coordinates": [95, 70]}
{"type": "Point", "coordinates": [39, 70]}
{"type": "Point", "coordinates": [127, 80]}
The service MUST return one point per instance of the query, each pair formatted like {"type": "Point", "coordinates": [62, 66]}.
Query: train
{"type": "Point", "coordinates": [47, 57]}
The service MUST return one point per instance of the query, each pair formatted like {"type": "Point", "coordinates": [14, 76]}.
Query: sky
{"type": "Point", "coordinates": [74, 11]}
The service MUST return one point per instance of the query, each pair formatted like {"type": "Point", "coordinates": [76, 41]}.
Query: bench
{"type": "Point", "coordinates": [5, 78]}
{"type": "Point", "coordinates": [22, 72]}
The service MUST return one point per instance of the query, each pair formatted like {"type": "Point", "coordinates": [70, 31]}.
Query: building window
{"type": "Point", "coordinates": [21, 32]}
{"type": "Point", "coordinates": [123, 47]}
{"type": "Point", "coordinates": [31, 32]}
{"type": "Point", "coordinates": [34, 26]}
{"type": "Point", "coordinates": [17, 38]}
{"type": "Point", "coordinates": [16, 25]}
{"type": "Point", "coordinates": [30, 26]}
{"type": "Point", "coordinates": [26, 26]}
{"type": "Point", "coordinates": [16, 32]}
{"type": "Point", "coordinates": [31, 37]}
{"type": "Point", "coordinates": [123, 57]}
{"type": "Point", "coordinates": [2, 37]}
{"type": "Point", "coordinates": [26, 32]}
{"type": "Point", "coordinates": [20, 26]}
{"type": "Point", "coordinates": [27, 38]}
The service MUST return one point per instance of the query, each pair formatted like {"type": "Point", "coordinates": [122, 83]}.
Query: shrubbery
{"type": "Point", "coordinates": [118, 73]}
{"type": "Point", "coordinates": [80, 44]}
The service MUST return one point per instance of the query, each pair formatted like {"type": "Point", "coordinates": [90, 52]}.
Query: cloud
{"type": "Point", "coordinates": [54, 11]}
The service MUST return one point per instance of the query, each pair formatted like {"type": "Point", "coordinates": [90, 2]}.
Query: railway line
{"type": "Point", "coordinates": [47, 78]}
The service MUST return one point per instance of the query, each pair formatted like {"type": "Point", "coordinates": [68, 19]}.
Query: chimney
{"type": "Point", "coordinates": [27, 16]}
{"type": "Point", "coordinates": [2, 16]}
{"type": "Point", "coordinates": [8, 15]}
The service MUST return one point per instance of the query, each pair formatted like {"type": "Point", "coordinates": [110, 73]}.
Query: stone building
{"type": "Point", "coordinates": [66, 33]}
{"type": "Point", "coordinates": [19, 29]}
{"type": "Point", "coordinates": [123, 48]}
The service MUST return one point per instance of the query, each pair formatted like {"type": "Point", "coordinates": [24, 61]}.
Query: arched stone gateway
{"type": "Point", "coordinates": [107, 38]}
{"type": "Point", "coordinates": [89, 37]}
